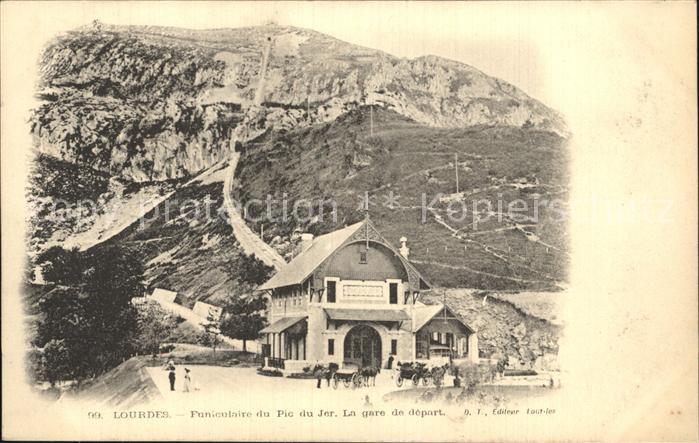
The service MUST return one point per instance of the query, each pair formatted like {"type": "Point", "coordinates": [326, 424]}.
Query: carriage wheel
{"type": "Point", "coordinates": [346, 381]}
{"type": "Point", "coordinates": [356, 380]}
{"type": "Point", "coordinates": [336, 382]}
{"type": "Point", "coordinates": [416, 380]}
{"type": "Point", "coordinates": [426, 381]}
{"type": "Point", "coordinates": [399, 381]}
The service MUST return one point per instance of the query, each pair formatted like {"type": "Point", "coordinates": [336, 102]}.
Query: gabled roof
{"type": "Point", "coordinates": [282, 324]}
{"type": "Point", "coordinates": [164, 295]}
{"type": "Point", "coordinates": [424, 313]}
{"type": "Point", "coordinates": [303, 265]}
{"type": "Point", "coordinates": [205, 309]}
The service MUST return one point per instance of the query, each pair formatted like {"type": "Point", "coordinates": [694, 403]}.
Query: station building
{"type": "Point", "coordinates": [349, 296]}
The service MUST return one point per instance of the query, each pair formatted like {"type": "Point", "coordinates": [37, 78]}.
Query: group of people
{"type": "Point", "coordinates": [322, 372]}
{"type": "Point", "coordinates": [172, 377]}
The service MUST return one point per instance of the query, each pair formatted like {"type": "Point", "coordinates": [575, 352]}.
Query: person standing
{"type": "Point", "coordinates": [172, 376]}
{"type": "Point", "coordinates": [187, 380]}
{"type": "Point", "coordinates": [389, 365]}
{"type": "Point", "coordinates": [318, 371]}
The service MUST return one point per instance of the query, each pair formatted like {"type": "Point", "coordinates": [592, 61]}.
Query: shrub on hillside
{"type": "Point", "coordinates": [154, 327]}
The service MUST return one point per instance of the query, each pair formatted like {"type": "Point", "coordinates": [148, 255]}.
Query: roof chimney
{"type": "Point", "coordinates": [306, 241]}
{"type": "Point", "coordinates": [404, 249]}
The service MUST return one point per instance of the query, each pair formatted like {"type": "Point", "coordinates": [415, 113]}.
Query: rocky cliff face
{"type": "Point", "coordinates": [146, 103]}
{"type": "Point", "coordinates": [505, 330]}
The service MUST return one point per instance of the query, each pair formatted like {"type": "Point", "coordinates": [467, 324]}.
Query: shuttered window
{"type": "Point", "coordinates": [331, 292]}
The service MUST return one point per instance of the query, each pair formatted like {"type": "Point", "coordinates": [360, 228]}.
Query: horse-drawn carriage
{"type": "Point", "coordinates": [352, 375]}
{"type": "Point", "coordinates": [414, 371]}
{"type": "Point", "coordinates": [418, 372]}
{"type": "Point", "coordinates": [349, 376]}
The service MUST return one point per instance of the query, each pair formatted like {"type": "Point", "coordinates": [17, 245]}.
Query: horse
{"type": "Point", "coordinates": [438, 374]}
{"type": "Point", "coordinates": [369, 373]}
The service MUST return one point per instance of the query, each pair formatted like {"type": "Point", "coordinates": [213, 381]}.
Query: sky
{"type": "Point", "coordinates": [497, 38]}
{"type": "Point", "coordinates": [537, 46]}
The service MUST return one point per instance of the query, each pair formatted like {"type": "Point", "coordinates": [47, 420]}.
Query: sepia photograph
{"type": "Point", "coordinates": [291, 221]}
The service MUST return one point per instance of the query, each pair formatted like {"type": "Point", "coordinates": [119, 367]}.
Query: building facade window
{"type": "Point", "coordinates": [362, 257]}
{"type": "Point", "coordinates": [331, 346]}
{"type": "Point", "coordinates": [393, 293]}
{"type": "Point", "coordinates": [394, 346]}
{"type": "Point", "coordinates": [331, 291]}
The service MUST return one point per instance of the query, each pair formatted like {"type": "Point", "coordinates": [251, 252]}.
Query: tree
{"type": "Point", "coordinates": [92, 317]}
{"type": "Point", "coordinates": [61, 266]}
{"type": "Point", "coordinates": [210, 337]}
{"type": "Point", "coordinates": [253, 271]}
{"type": "Point", "coordinates": [245, 318]}
{"type": "Point", "coordinates": [154, 326]}
{"type": "Point", "coordinates": [56, 362]}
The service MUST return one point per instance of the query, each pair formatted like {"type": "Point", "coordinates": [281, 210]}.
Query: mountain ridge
{"type": "Point", "coordinates": [171, 105]}
{"type": "Point", "coordinates": [150, 107]}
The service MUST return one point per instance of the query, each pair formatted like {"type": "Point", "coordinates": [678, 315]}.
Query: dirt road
{"type": "Point", "coordinates": [232, 386]}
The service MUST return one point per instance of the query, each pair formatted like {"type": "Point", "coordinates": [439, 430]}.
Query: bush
{"type": "Point", "coordinates": [184, 333]}
{"type": "Point", "coordinates": [502, 364]}
{"type": "Point", "coordinates": [519, 372]}
{"type": "Point", "coordinates": [56, 361]}
{"type": "Point", "coordinates": [473, 375]}
{"type": "Point", "coordinates": [270, 372]}
{"type": "Point", "coordinates": [165, 348]}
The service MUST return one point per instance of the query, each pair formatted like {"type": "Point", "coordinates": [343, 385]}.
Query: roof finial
{"type": "Point", "coordinates": [366, 220]}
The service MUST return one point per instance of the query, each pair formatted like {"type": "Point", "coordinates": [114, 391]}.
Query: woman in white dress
{"type": "Point", "coordinates": [187, 380]}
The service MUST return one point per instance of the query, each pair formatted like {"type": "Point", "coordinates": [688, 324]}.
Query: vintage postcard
{"type": "Point", "coordinates": [340, 221]}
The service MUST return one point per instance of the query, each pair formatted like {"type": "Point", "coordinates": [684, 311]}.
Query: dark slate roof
{"type": "Point", "coordinates": [303, 265]}
{"type": "Point", "coordinates": [282, 324]}
{"type": "Point", "coordinates": [424, 313]}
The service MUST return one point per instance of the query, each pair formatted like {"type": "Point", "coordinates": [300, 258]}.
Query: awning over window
{"type": "Point", "coordinates": [366, 314]}
{"type": "Point", "coordinates": [282, 325]}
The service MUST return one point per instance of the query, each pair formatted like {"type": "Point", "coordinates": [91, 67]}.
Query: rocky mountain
{"type": "Point", "coordinates": [133, 113]}
{"type": "Point", "coordinates": [505, 329]}
{"type": "Point", "coordinates": [151, 103]}
{"type": "Point", "coordinates": [141, 121]}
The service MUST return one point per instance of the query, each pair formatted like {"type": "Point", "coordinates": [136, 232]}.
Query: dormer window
{"type": "Point", "coordinates": [362, 257]}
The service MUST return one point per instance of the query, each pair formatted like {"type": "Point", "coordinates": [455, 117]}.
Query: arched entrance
{"type": "Point", "coordinates": [363, 346]}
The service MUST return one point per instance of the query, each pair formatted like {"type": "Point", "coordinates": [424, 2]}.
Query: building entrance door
{"type": "Point", "coordinates": [363, 346]}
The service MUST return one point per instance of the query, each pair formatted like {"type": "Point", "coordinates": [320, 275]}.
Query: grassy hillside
{"type": "Point", "coordinates": [340, 161]}
{"type": "Point", "coordinates": [187, 245]}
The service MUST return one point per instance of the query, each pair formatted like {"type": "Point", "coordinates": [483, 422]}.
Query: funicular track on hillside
{"type": "Point", "coordinates": [248, 240]}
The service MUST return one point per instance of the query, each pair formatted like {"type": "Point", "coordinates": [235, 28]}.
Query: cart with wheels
{"type": "Point", "coordinates": [415, 372]}
{"type": "Point", "coordinates": [348, 375]}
